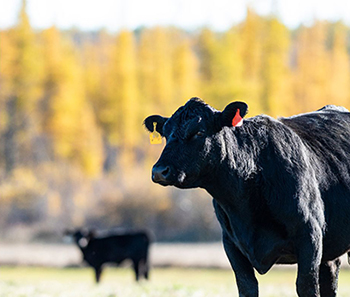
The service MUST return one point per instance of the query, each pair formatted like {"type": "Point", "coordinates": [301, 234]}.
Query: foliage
{"type": "Point", "coordinates": [73, 149]}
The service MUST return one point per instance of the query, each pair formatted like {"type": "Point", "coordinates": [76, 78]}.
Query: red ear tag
{"type": "Point", "coordinates": [237, 121]}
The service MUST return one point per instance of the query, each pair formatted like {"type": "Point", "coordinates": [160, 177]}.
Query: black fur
{"type": "Point", "coordinates": [281, 188]}
{"type": "Point", "coordinates": [114, 248]}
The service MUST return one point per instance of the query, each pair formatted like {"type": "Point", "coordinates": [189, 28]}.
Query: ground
{"type": "Point", "coordinates": [164, 282]}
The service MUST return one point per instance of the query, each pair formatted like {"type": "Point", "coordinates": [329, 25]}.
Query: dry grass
{"type": "Point", "coordinates": [164, 282]}
{"type": "Point", "coordinates": [57, 281]}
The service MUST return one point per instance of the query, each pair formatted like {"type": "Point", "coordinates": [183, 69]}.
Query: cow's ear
{"type": "Point", "coordinates": [156, 121]}
{"type": "Point", "coordinates": [91, 234]}
{"type": "Point", "coordinates": [233, 114]}
{"type": "Point", "coordinates": [68, 232]}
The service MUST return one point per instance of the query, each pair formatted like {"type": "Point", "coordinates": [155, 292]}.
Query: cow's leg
{"type": "Point", "coordinates": [309, 252]}
{"type": "Point", "coordinates": [245, 277]}
{"type": "Point", "coordinates": [329, 272]}
{"type": "Point", "coordinates": [98, 271]}
{"type": "Point", "coordinates": [136, 267]}
{"type": "Point", "coordinates": [145, 268]}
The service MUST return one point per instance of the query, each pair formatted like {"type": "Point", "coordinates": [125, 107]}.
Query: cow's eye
{"type": "Point", "coordinates": [197, 135]}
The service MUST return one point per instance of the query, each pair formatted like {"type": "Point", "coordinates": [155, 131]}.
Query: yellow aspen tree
{"type": "Point", "coordinates": [156, 70]}
{"type": "Point", "coordinates": [27, 70]}
{"type": "Point", "coordinates": [221, 67]}
{"type": "Point", "coordinates": [68, 118]}
{"type": "Point", "coordinates": [21, 101]}
{"type": "Point", "coordinates": [146, 72]}
{"type": "Point", "coordinates": [186, 75]}
{"type": "Point", "coordinates": [228, 69]}
{"type": "Point", "coordinates": [99, 80]}
{"type": "Point", "coordinates": [99, 90]}
{"type": "Point", "coordinates": [63, 93]}
{"type": "Point", "coordinates": [251, 34]}
{"type": "Point", "coordinates": [124, 96]}
{"type": "Point", "coordinates": [275, 75]}
{"type": "Point", "coordinates": [92, 72]}
{"type": "Point", "coordinates": [7, 55]}
{"type": "Point", "coordinates": [339, 76]}
{"type": "Point", "coordinates": [312, 68]}
{"type": "Point", "coordinates": [207, 45]}
{"type": "Point", "coordinates": [163, 86]}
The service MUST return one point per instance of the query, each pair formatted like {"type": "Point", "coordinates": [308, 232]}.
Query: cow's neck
{"type": "Point", "coordinates": [241, 209]}
{"type": "Point", "coordinates": [227, 191]}
{"type": "Point", "coordinates": [233, 171]}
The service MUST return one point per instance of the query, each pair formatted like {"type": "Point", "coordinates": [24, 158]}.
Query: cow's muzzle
{"type": "Point", "coordinates": [161, 175]}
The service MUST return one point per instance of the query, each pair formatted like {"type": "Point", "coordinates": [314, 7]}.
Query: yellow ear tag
{"type": "Point", "coordinates": [155, 137]}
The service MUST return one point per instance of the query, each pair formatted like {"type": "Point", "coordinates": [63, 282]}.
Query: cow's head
{"type": "Point", "coordinates": [82, 237]}
{"type": "Point", "coordinates": [191, 139]}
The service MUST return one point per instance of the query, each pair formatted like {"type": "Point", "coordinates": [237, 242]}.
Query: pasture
{"type": "Point", "coordinates": [164, 282]}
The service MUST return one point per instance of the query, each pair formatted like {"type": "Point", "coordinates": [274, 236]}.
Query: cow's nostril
{"type": "Point", "coordinates": [160, 173]}
{"type": "Point", "coordinates": [166, 171]}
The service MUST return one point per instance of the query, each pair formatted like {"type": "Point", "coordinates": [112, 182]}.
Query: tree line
{"type": "Point", "coordinates": [72, 146]}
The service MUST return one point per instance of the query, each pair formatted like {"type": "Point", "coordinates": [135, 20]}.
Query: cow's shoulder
{"type": "Point", "coordinates": [333, 108]}
{"type": "Point", "coordinates": [329, 114]}
{"type": "Point", "coordinates": [326, 134]}
{"type": "Point", "coordinates": [328, 122]}
{"type": "Point", "coordinates": [270, 132]}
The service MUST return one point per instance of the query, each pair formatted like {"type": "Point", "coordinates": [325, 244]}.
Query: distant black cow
{"type": "Point", "coordinates": [281, 188]}
{"type": "Point", "coordinates": [114, 249]}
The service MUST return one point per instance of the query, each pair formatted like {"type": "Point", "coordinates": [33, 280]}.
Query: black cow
{"type": "Point", "coordinates": [281, 188]}
{"type": "Point", "coordinates": [114, 249]}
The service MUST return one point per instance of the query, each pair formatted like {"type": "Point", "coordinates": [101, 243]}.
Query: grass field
{"type": "Point", "coordinates": [164, 282]}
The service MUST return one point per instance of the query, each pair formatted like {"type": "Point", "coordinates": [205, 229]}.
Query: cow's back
{"type": "Point", "coordinates": [124, 246]}
{"type": "Point", "coordinates": [326, 133]}
{"type": "Point", "coordinates": [132, 245]}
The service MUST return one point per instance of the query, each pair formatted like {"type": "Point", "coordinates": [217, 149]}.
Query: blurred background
{"type": "Point", "coordinates": [77, 78]}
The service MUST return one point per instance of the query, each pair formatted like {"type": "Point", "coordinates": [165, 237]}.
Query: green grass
{"type": "Point", "coordinates": [164, 282]}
